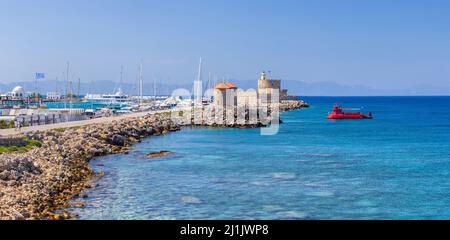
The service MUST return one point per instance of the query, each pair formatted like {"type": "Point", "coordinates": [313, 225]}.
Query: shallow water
{"type": "Point", "coordinates": [396, 166]}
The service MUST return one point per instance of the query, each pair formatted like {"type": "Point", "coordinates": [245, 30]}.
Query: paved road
{"type": "Point", "coordinates": [11, 132]}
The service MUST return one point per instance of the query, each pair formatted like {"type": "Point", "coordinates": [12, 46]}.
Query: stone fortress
{"type": "Point", "coordinates": [269, 91]}
{"type": "Point", "coordinates": [268, 87]}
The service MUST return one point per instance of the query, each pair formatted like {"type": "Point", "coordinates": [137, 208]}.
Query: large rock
{"type": "Point", "coordinates": [15, 168]}
{"type": "Point", "coordinates": [118, 140]}
{"type": "Point", "coordinates": [159, 154]}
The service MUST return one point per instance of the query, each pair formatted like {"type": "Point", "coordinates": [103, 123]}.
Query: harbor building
{"type": "Point", "coordinates": [284, 96]}
{"type": "Point", "coordinates": [271, 86]}
{"type": "Point", "coordinates": [17, 93]}
{"type": "Point", "coordinates": [53, 96]}
{"type": "Point", "coordinates": [14, 99]}
{"type": "Point", "coordinates": [225, 95]}
{"type": "Point", "coordinates": [267, 87]}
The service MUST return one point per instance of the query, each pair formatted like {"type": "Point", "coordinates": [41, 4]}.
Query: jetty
{"type": "Point", "coordinates": [12, 132]}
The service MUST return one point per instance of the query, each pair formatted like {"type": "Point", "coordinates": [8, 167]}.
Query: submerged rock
{"type": "Point", "coordinates": [159, 154]}
{"type": "Point", "coordinates": [191, 200]}
{"type": "Point", "coordinates": [78, 205]}
{"type": "Point", "coordinates": [284, 175]}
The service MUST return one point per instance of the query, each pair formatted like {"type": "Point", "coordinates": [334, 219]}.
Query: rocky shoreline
{"type": "Point", "coordinates": [35, 184]}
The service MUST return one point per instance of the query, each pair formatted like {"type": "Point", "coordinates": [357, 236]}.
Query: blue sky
{"type": "Point", "coordinates": [379, 43]}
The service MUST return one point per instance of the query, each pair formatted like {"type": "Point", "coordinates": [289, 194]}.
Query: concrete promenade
{"type": "Point", "coordinates": [12, 131]}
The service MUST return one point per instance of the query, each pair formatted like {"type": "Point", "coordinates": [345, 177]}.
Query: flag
{"type": "Point", "coordinates": [40, 75]}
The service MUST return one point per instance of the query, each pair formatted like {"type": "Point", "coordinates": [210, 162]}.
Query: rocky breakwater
{"type": "Point", "coordinates": [290, 105]}
{"type": "Point", "coordinates": [33, 185]}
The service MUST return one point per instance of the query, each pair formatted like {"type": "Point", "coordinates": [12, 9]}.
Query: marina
{"type": "Point", "coordinates": [51, 109]}
{"type": "Point", "coordinates": [221, 98]}
{"type": "Point", "coordinates": [30, 107]}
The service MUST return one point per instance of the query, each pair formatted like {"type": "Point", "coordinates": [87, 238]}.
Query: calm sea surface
{"type": "Point", "coordinates": [83, 105]}
{"type": "Point", "coordinates": [396, 166]}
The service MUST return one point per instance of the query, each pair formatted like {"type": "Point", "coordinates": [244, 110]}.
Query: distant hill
{"type": "Point", "coordinates": [103, 86]}
{"type": "Point", "coordinates": [299, 88]}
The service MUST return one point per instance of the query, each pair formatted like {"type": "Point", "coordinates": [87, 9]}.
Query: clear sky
{"type": "Point", "coordinates": [378, 43]}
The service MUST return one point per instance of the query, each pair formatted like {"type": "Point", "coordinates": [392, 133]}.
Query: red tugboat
{"type": "Point", "coordinates": [338, 113]}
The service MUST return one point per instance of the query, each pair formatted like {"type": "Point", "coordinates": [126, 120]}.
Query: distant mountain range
{"type": "Point", "coordinates": [299, 88]}
{"type": "Point", "coordinates": [103, 86]}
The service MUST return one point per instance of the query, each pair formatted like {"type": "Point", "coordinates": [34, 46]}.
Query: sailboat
{"type": "Point", "coordinates": [197, 89]}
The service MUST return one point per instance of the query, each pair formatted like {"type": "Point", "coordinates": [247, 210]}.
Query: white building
{"type": "Point", "coordinates": [17, 93]}
{"type": "Point", "coordinates": [53, 96]}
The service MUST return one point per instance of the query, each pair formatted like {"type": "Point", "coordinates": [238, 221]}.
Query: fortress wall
{"type": "Point", "coordinates": [247, 98]}
{"type": "Point", "coordinates": [276, 84]}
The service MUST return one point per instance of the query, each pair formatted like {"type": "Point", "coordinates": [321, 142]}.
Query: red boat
{"type": "Point", "coordinates": [338, 113]}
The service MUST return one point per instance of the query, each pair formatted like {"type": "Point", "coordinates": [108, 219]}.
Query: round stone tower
{"type": "Point", "coordinates": [266, 87]}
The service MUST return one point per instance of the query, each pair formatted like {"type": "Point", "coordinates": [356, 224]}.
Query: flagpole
{"type": "Point", "coordinates": [36, 98]}
{"type": "Point", "coordinates": [37, 76]}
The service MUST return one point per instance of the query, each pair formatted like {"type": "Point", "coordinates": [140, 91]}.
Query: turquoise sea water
{"type": "Point", "coordinates": [82, 105]}
{"type": "Point", "coordinates": [396, 166]}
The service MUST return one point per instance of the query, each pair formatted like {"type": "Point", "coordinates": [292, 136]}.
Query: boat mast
{"type": "Point", "coordinates": [78, 88]}
{"type": "Point", "coordinates": [70, 94]}
{"type": "Point", "coordinates": [141, 93]}
{"type": "Point", "coordinates": [56, 86]}
{"type": "Point", "coordinates": [121, 77]}
{"type": "Point", "coordinates": [198, 83]}
{"type": "Point", "coordinates": [208, 85]}
{"type": "Point", "coordinates": [199, 78]}
{"type": "Point", "coordinates": [136, 85]}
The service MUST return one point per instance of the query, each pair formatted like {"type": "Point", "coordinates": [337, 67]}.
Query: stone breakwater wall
{"type": "Point", "coordinates": [35, 184]}
{"type": "Point", "coordinates": [290, 105]}
{"type": "Point", "coordinates": [237, 116]}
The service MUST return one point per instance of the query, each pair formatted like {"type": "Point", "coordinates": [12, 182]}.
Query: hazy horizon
{"type": "Point", "coordinates": [297, 88]}
{"type": "Point", "coordinates": [399, 46]}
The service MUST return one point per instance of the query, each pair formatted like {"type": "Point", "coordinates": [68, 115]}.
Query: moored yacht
{"type": "Point", "coordinates": [118, 97]}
